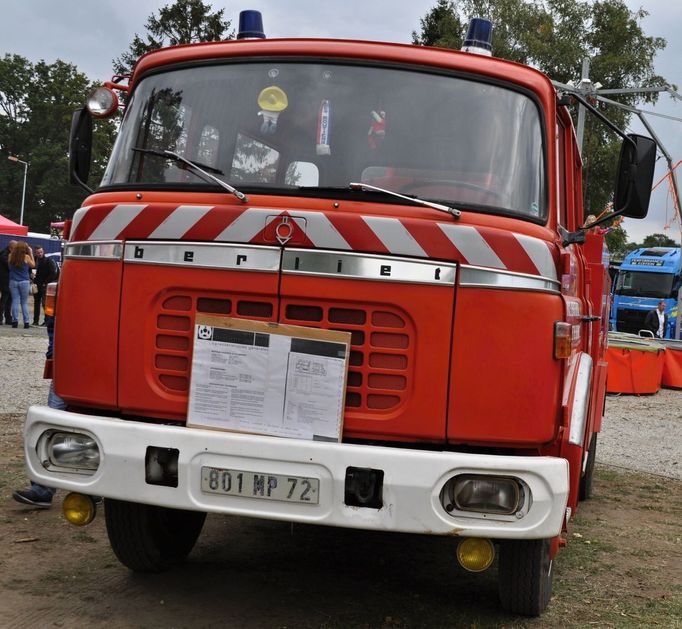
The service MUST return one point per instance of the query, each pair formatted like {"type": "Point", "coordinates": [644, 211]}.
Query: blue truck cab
{"type": "Point", "coordinates": [646, 277]}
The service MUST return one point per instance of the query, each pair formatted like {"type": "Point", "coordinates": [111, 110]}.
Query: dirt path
{"type": "Point", "coordinates": [621, 569]}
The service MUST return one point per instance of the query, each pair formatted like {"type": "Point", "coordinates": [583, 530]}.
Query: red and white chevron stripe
{"type": "Point", "coordinates": [479, 246]}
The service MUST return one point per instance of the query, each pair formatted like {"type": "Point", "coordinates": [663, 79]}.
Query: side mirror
{"type": "Point", "coordinates": [80, 147]}
{"type": "Point", "coordinates": [635, 176]}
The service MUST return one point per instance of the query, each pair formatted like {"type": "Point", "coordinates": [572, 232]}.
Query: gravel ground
{"type": "Point", "coordinates": [641, 433]}
{"type": "Point", "coordinates": [23, 359]}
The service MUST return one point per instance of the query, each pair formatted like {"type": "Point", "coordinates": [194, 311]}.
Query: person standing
{"type": "Point", "coordinates": [20, 264]}
{"type": "Point", "coordinates": [657, 321]}
{"type": "Point", "coordinates": [46, 272]}
{"type": "Point", "coordinates": [39, 495]}
{"type": "Point", "coordinates": [5, 295]}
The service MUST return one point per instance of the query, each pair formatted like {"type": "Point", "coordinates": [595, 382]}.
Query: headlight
{"type": "Point", "coordinates": [102, 102]}
{"type": "Point", "coordinates": [483, 494]}
{"type": "Point", "coordinates": [72, 450]}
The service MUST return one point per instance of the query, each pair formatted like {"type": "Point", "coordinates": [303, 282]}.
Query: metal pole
{"type": "Point", "coordinates": [23, 195]}
{"type": "Point", "coordinates": [668, 158]}
{"type": "Point", "coordinates": [12, 158]}
{"type": "Point", "coordinates": [676, 192]}
{"type": "Point", "coordinates": [580, 131]}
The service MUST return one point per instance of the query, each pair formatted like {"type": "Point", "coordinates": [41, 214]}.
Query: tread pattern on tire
{"type": "Point", "coordinates": [146, 538]}
{"type": "Point", "coordinates": [525, 576]}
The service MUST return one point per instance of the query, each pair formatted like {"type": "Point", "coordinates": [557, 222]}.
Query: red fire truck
{"type": "Point", "coordinates": [426, 201]}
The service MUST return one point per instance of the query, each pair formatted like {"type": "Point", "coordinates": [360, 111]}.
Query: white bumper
{"type": "Point", "coordinates": [413, 479]}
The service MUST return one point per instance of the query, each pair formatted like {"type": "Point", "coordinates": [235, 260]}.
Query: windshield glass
{"type": "Point", "coordinates": [285, 125]}
{"type": "Point", "coordinates": [642, 284]}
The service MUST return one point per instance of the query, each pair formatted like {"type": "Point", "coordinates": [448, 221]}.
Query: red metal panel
{"type": "Point", "coordinates": [157, 325]}
{"type": "Point", "coordinates": [397, 381]}
{"type": "Point", "coordinates": [505, 382]}
{"type": "Point", "coordinates": [86, 332]}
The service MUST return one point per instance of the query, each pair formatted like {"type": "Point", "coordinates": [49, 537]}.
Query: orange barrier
{"type": "Point", "coordinates": [635, 371]}
{"type": "Point", "coordinates": [672, 369]}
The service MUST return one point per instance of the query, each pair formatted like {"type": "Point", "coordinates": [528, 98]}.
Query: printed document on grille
{"type": "Point", "coordinates": [274, 384]}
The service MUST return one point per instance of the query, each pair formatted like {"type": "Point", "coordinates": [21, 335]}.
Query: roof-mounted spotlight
{"type": "Point", "coordinates": [102, 102]}
{"type": "Point", "coordinates": [479, 37]}
{"type": "Point", "coordinates": [250, 25]}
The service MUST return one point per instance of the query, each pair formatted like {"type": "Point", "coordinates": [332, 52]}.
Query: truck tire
{"type": "Point", "coordinates": [146, 538]}
{"type": "Point", "coordinates": [525, 576]}
{"type": "Point", "coordinates": [586, 480]}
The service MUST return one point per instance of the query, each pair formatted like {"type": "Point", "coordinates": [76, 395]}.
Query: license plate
{"type": "Point", "coordinates": [217, 480]}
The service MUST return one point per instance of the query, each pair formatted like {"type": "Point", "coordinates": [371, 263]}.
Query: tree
{"type": "Point", "coordinates": [658, 240]}
{"type": "Point", "coordinates": [554, 36]}
{"type": "Point", "coordinates": [36, 105]}
{"type": "Point", "coordinates": [616, 241]}
{"type": "Point", "coordinates": [183, 22]}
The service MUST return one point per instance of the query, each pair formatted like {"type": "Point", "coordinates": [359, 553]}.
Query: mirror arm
{"type": "Point", "coordinates": [602, 117]}
{"type": "Point", "coordinates": [569, 238]}
{"type": "Point", "coordinates": [81, 183]}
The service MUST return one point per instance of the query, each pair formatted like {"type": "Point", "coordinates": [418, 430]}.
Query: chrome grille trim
{"type": "Point", "coordinates": [94, 250]}
{"type": "Point", "coordinates": [367, 267]}
{"type": "Point", "coordinates": [203, 255]}
{"type": "Point", "coordinates": [481, 277]}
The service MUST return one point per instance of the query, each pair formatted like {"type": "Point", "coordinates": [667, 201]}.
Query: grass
{"type": "Point", "coordinates": [82, 536]}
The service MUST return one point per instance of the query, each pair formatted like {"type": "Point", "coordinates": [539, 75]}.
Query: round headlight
{"type": "Point", "coordinates": [102, 102]}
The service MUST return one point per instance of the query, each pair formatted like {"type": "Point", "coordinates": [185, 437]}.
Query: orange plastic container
{"type": "Point", "coordinates": [672, 366]}
{"type": "Point", "coordinates": [635, 367]}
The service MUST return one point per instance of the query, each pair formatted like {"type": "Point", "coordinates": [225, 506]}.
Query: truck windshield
{"type": "Point", "coordinates": [643, 284]}
{"type": "Point", "coordinates": [289, 127]}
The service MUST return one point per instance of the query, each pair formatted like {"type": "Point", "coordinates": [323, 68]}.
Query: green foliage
{"type": "Point", "coordinates": [183, 22]}
{"type": "Point", "coordinates": [619, 247]}
{"type": "Point", "coordinates": [441, 27]}
{"type": "Point", "coordinates": [659, 240]}
{"type": "Point", "coordinates": [616, 241]}
{"type": "Point", "coordinates": [554, 36]}
{"type": "Point", "coordinates": [36, 105]}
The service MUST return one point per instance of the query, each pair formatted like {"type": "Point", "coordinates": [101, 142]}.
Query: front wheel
{"type": "Point", "coordinates": [587, 479]}
{"type": "Point", "coordinates": [525, 576]}
{"type": "Point", "coordinates": [146, 538]}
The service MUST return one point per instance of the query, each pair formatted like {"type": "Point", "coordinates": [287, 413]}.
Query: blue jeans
{"type": "Point", "coordinates": [53, 401]}
{"type": "Point", "coordinates": [19, 292]}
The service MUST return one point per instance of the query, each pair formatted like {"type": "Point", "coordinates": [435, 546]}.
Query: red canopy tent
{"type": "Point", "coordinates": [10, 227]}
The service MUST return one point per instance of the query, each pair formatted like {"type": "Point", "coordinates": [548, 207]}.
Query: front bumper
{"type": "Point", "coordinates": [413, 479]}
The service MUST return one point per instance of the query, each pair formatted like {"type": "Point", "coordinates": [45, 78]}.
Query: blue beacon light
{"type": "Point", "coordinates": [250, 25]}
{"type": "Point", "coordinates": [479, 37]}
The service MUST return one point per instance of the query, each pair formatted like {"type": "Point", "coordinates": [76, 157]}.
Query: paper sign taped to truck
{"type": "Point", "coordinates": [267, 378]}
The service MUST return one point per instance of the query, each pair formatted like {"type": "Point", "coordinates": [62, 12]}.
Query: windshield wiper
{"type": "Point", "coordinates": [196, 168]}
{"type": "Point", "coordinates": [436, 206]}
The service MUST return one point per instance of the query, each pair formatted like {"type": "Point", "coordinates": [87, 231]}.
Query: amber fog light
{"type": "Point", "coordinates": [484, 494]}
{"type": "Point", "coordinates": [475, 554]}
{"type": "Point", "coordinates": [79, 509]}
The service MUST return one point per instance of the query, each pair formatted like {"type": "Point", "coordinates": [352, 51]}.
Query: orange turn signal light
{"type": "Point", "coordinates": [563, 339]}
{"type": "Point", "coordinates": [51, 299]}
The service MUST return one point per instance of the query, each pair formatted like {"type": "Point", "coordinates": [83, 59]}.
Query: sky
{"type": "Point", "coordinates": [90, 34]}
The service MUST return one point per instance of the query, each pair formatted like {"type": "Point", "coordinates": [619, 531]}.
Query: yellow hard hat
{"type": "Point", "coordinates": [273, 98]}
